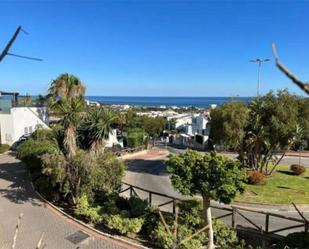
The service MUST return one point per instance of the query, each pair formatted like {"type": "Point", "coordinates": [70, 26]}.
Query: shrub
{"type": "Point", "coordinates": [190, 212]}
{"type": "Point", "coordinates": [299, 240]}
{"type": "Point", "coordinates": [137, 206]}
{"type": "Point", "coordinates": [165, 240]}
{"type": "Point", "coordinates": [297, 169]}
{"type": "Point", "coordinates": [43, 135]}
{"type": "Point", "coordinates": [256, 178]}
{"type": "Point", "coordinates": [84, 209]}
{"type": "Point", "coordinates": [224, 236]}
{"type": "Point", "coordinates": [31, 150]}
{"type": "Point", "coordinates": [152, 220]}
{"type": "Point", "coordinates": [4, 148]}
{"type": "Point", "coordinates": [136, 138]}
{"type": "Point", "coordinates": [124, 225]}
{"type": "Point", "coordinates": [107, 172]}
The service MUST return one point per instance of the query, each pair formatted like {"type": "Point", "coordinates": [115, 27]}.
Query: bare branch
{"type": "Point", "coordinates": [300, 213]}
{"type": "Point", "coordinates": [302, 85]}
{"type": "Point", "coordinates": [164, 223]}
{"type": "Point", "coordinates": [195, 234]}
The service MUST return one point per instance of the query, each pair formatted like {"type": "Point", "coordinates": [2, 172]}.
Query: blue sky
{"type": "Point", "coordinates": [155, 48]}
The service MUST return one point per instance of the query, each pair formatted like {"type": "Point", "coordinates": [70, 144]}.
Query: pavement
{"type": "Point", "coordinates": [149, 172]}
{"type": "Point", "coordinates": [17, 196]}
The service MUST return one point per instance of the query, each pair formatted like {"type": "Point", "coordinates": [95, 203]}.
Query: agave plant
{"type": "Point", "coordinates": [71, 113]}
{"type": "Point", "coordinates": [97, 126]}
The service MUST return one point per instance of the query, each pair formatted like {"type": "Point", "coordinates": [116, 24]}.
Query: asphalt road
{"type": "Point", "coordinates": [150, 173]}
{"type": "Point", "coordinates": [286, 160]}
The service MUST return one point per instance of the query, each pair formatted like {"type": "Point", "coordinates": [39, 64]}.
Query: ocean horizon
{"type": "Point", "coordinates": [202, 102]}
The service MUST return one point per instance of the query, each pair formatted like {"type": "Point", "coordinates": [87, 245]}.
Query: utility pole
{"type": "Point", "coordinates": [259, 61]}
{"type": "Point", "coordinates": [6, 49]}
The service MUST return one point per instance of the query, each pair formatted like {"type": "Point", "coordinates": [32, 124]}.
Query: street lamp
{"type": "Point", "coordinates": [259, 61]}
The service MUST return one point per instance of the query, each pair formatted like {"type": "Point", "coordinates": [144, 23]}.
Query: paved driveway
{"type": "Point", "coordinates": [17, 196]}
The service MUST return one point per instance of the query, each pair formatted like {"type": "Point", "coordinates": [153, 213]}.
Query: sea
{"type": "Point", "coordinates": [202, 102]}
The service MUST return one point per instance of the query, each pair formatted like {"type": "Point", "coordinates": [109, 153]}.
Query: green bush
{"type": "Point", "coordinates": [191, 212]}
{"type": "Point", "coordinates": [84, 209]}
{"type": "Point", "coordinates": [165, 240]}
{"type": "Point", "coordinates": [137, 206]}
{"type": "Point", "coordinates": [31, 150]}
{"type": "Point", "coordinates": [4, 148]}
{"type": "Point", "coordinates": [43, 135]}
{"type": "Point", "coordinates": [297, 240]}
{"type": "Point", "coordinates": [152, 220]}
{"type": "Point", "coordinates": [124, 225]}
{"type": "Point", "coordinates": [224, 236]}
{"type": "Point", "coordinates": [136, 138]}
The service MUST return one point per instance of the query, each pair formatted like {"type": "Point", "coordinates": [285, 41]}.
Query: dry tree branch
{"type": "Point", "coordinates": [300, 213]}
{"type": "Point", "coordinates": [164, 223]}
{"type": "Point", "coordinates": [193, 235]}
{"type": "Point", "coordinates": [302, 85]}
{"type": "Point", "coordinates": [16, 230]}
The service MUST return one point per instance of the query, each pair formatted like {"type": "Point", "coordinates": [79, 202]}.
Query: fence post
{"type": "Point", "coordinates": [233, 217]}
{"type": "Point", "coordinates": [306, 227]}
{"type": "Point", "coordinates": [174, 206]}
{"type": "Point", "coordinates": [131, 191]}
{"type": "Point", "coordinates": [267, 223]}
{"type": "Point", "coordinates": [150, 198]}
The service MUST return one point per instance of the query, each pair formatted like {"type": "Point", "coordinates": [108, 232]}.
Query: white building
{"type": "Point", "coordinates": [112, 140]}
{"type": "Point", "coordinates": [16, 122]}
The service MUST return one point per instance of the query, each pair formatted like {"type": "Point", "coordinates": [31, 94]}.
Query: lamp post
{"type": "Point", "coordinates": [259, 61]}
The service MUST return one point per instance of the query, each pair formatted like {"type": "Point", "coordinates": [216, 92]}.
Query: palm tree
{"type": "Point", "coordinates": [66, 100]}
{"type": "Point", "coordinates": [67, 86]}
{"type": "Point", "coordinates": [71, 113]}
{"type": "Point", "coordinates": [97, 126]}
{"type": "Point", "coordinates": [121, 121]}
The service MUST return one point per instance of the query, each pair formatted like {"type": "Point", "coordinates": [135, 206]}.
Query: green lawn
{"type": "Point", "coordinates": [281, 188]}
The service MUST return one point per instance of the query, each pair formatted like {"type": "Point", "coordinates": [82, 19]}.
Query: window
{"type": "Point", "coordinates": [26, 131]}
{"type": "Point", "coordinates": [30, 129]}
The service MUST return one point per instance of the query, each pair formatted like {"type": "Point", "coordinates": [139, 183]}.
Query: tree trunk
{"type": "Point", "coordinates": [208, 221]}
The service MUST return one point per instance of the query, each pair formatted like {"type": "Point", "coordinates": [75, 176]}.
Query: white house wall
{"type": "Point", "coordinates": [22, 121]}
{"type": "Point", "coordinates": [6, 128]}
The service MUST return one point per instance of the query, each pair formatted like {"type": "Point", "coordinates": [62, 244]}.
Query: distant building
{"type": "Point", "coordinates": [16, 121]}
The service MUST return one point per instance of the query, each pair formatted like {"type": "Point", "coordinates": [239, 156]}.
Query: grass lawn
{"type": "Point", "coordinates": [281, 188]}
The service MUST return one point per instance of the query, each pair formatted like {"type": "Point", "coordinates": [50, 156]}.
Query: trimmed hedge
{"type": "Point", "coordinates": [31, 150]}
{"type": "Point", "coordinates": [136, 138]}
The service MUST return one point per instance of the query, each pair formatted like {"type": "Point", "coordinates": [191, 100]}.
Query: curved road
{"type": "Point", "coordinates": [148, 172]}
{"type": "Point", "coordinates": [17, 196]}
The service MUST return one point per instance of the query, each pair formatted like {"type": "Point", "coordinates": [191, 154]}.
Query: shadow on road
{"type": "Point", "coordinates": [14, 184]}
{"type": "Point", "coordinates": [154, 167]}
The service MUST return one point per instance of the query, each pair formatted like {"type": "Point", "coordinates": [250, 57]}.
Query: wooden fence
{"type": "Point", "coordinates": [233, 211]}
